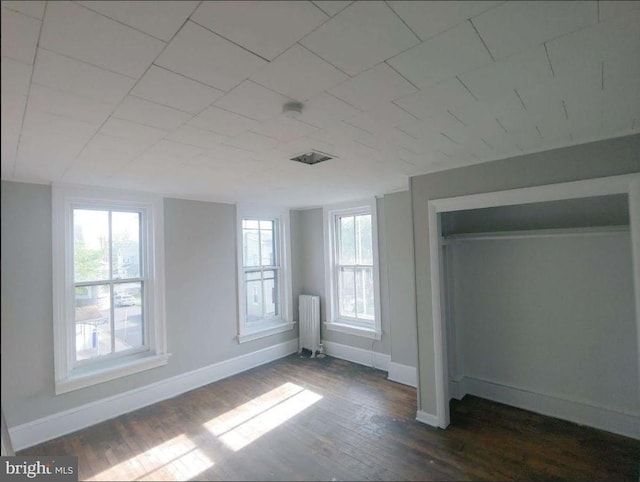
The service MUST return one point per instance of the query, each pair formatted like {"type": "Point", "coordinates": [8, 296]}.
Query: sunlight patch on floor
{"type": "Point", "coordinates": [246, 423]}
{"type": "Point", "coordinates": [175, 459]}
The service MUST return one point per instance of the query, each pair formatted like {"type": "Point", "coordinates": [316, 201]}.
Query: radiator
{"type": "Point", "coordinates": [309, 309]}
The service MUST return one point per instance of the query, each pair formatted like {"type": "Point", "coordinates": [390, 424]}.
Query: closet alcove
{"type": "Point", "coordinates": [538, 308]}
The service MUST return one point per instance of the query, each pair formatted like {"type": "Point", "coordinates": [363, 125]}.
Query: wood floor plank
{"type": "Point", "coordinates": [329, 419]}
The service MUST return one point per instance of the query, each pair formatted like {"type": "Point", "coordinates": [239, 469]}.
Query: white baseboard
{"type": "Point", "coordinates": [578, 412]}
{"type": "Point", "coordinates": [62, 423]}
{"type": "Point", "coordinates": [427, 418]}
{"type": "Point", "coordinates": [357, 355]}
{"type": "Point", "coordinates": [404, 374]}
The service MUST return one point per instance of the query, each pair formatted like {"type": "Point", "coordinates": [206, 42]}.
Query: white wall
{"type": "Point", "coordinates": [553, 316]}
{"type": "Point", "coordinates": [201, 301]}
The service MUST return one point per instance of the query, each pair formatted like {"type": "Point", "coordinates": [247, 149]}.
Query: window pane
{"type": "Point", "coordinates": [253, 290]}
{"type": "Point", "coordinates": [270, 289]}
{"type": "Point", "coordinates": [251, 247]}
{"type": "Point", "coordinates": [93, 321]}
{"type": "Point", "coordinates": [125, 235]}
{"type": "Point", "coordinates": [364, 293]}
{"type": "Point", "coordinates": [250, 224]}
{"type": "Point", "coordinates": [90, 245]}
{"type": "Point", "coordinates": [268, 251]}
{"type": "Point", "coordinates": [346, 292]}
{"type": "Point", "coordinates": [364, 247]}
{"type": "Point", "coordinates": [266, 224]}
{"type": "Point", "coordinates": [347, 253]}
{"type": "Point", "coordinates": [128, 316]}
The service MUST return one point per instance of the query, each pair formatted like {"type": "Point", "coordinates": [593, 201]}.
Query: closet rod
{"type": "Point", "coordinates": [536, 233]}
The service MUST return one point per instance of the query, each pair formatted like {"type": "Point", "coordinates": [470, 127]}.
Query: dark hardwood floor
{"type": "Point", "coordinates": [328, 419]}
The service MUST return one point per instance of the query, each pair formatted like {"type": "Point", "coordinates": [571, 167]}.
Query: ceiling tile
{"type": "Point", "coordinates": [251, 141]}
{"type": "Point", "coordinates": [19, 36]}
{"type": "Point", "coordinates": [31, 8]}
{"type": "Point", "coordinates": [453, 52]}
{"type": "Point", "coordinates": [264, 27]}
{"type": "Point", "coordinates": [519, 71]}
{"type": "Point", "coordinates": [373, 87]}
{"type": "Point", "coordinates": [617, 37]}
{"type": "Point", "coordinates": [428, 19]}
{"type": "Point", "coordinates": [299, 74]}
{"type": "Point", "coordinates": [12, 105]}
{"type": "Point", "coordinates": [111, 150]}
{"type": "Point", "coordinates": [222, 121]}
{"type": "Point", "coordinates": [621, 77]}
{"type": "Point", "coordinates": [202, 55]}
{"type": "Point", "coordinates": [159, 19]}
{"type": "Point", "coordinates": [150, 114]}
{"type": "Point", "coordinates": [73, 30]}
{"type": "Point", "coordinates": [439, 97]}
{"type": "Point", "coordinates": [133, 131]}
{"type": "Point", "coordinates": [36, 120]}
{"type": "Point", "coordinates": [254, 101]}
{"type": "Point", "coordinates": [516, 26]}
{"type": "Point", "coordinates": [9, 146]}
{"type": "Point", "coordinates": [68, 105]}
{"type": "Point", "coordinates": [332, 7]}
{"type": "Point", "coordinates": [46, 156]}
{"type": "Point", "coordinates": [79, 78]}
{"type": "Point", "coordinates": [324, 109]}
{"type": "Point", "coordinates": [195, 136]}
{"type": "Point", "coordinates": [16, 76]}
{"type": "Point", "coordinates": [361, 36]}
{"type": "Point", "coordinates": [165, 87]}
{"type": "Point", "coordinates": [167, 152]}
{"type": "Point", "coordinates": [615, 9]}
{"type": "Point", "coordinates": [381, 119]}
{"type": "Point", "coordinates": [284, 129]}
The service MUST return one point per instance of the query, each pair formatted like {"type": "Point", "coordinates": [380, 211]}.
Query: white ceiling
{"type": "Point", "coordinates": [185, 98]}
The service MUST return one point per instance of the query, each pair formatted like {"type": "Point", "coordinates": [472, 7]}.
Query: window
{"type": "Point", "coordinates": [352, 269]}
{"type": "Point", "coordinates": [264, 279]}
{"type": "Point", "coordinates": [108, 300]}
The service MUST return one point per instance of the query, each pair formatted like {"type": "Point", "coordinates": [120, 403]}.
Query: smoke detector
{"type": "Point", "coordinates": [292, 110]}
{"type": "Point", "coordinates": [312, 157]}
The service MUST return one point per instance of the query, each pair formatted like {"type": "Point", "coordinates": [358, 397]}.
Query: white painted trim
{"type": "Point", "coordinates": [70, 375]}
{"type": "Point", "coordinates": [283, 253]}
{"type": "Point", "coordinates": [601, 186]}
{"type": "Point", "coordinates": [368, 358]}
{"type": "Point", "coordinates": [634, 222]}
{"type": "Point", "coordinates": [52, 426]}
{"type": "Point", "coordinates": [111, 373]}
{"type": "Point", "coordinates": [537, 233]}
{"type": "Point", "coordinates": [353, 330]}
{"type": "Point", "coordinates": [329, 213]}
{"type": "Point", "coordinates": [427, 418]}
{"type": "Point", "coordinates": [266, 331]}
{"type": "Point", "coordinates": [439, 341]}
{"type": "Point", "coordinates": [611, 420]}
{"type": "Point", "coordinates": [625, 184]}
{"type": "Point", "coordinates": [405, 374]}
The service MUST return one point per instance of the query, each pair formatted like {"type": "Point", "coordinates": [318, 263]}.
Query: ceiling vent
{"type": "Point", "coordinates": [312, 157]}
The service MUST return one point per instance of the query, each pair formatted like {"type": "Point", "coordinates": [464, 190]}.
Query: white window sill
{"type": "Point", "coordinates": [265, 330]}
{"type": "Point", "coordinates": [86, 378]}
{"type": "Point", "coordinates": [353, 330]}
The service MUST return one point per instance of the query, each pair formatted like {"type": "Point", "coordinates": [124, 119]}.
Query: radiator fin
{"type": "Point", "coordinates": [309, 309]}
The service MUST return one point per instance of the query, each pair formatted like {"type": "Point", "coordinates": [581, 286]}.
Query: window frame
{"type": "Point", "coordinates": [70, 374]}
{"type": "Point", "coordinates": [283, 321]}
{"type": "Point", "coordinates": [334, 321]}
